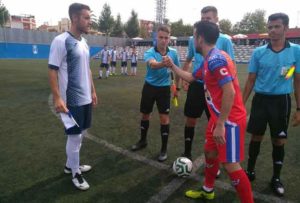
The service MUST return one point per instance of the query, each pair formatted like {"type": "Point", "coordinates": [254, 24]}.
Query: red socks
{"type": "Point", "coordinates": [211, 170]}
{"type": "Point", "coordinates": [242, 185]}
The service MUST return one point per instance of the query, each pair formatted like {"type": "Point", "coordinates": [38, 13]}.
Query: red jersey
{"type": "Point", "coordinates": [217, 70]}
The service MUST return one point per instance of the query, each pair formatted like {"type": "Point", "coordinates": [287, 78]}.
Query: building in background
{"type": "Point", "coordinates": [26, 22]}
{"type": "Point", "coordinates": [48, 28]}
{"type": "Point", "coordinates": [64, 25]}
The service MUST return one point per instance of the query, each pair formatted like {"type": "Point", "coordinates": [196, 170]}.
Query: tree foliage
{"type": "Point", "coordinates": [118, 29]}
{"type": "Point", "coordinates": [4, 14]}
{"type": "Point", "coordinates": [132, 27]}
{"type": "Point", "coordinates": [106, 21]}
{"type": "Point", "coordinates": [179, 29]}
{"type": "Point", "coordinates": [225, 26]}
{"type": "Point", "coordinates": [251, 23]}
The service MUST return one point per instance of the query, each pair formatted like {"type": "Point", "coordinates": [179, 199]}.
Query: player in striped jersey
{"type": "Point", "coordinates": [72, 87]}
{"type": "Point", "coordinates": [134, 59]}
{"type": "Point", "coordinates": [124, 55]}
{"type": "Point", "coordinates": [104, 56]}
{"type": "Point", "coordinates": [113, 60]}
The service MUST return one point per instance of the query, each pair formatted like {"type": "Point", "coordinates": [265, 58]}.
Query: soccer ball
{"type": "Point", "coordinates": [182, 166]}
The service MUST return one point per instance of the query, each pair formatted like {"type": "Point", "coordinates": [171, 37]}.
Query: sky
{"type": "Point", "coordinates": [187, 10]}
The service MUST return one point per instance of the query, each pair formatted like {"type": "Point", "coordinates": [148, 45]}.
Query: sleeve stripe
{"type": "Point", "coordinates": [53, 67]}
{"type": "Point", "coordinates": [225, 80]}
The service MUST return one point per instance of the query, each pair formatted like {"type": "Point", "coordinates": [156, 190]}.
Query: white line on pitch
{"type": "Point", "coordinates": [177, 182]}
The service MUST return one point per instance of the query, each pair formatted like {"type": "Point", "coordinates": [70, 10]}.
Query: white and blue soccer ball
{"type": "Point", "coordinates": [182, 166]}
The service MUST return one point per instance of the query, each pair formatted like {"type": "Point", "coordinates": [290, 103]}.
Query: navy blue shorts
{"type": "Point", "coordinates": [83, 117]}
{"type": "Point", "coordinates": [104, 65]}
{"type": "Point", "coordinates": [113, 63]}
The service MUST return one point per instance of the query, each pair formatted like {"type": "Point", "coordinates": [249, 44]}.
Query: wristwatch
{"type": "Point", "coordinates": [178, 89]}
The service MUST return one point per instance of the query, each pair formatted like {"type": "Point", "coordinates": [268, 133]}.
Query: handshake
{"type": "Point", "coordinates": [168, 62]}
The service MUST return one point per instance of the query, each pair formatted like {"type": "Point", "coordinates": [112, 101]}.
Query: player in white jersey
{"type": "Point", "coordinates": [113, 60]}
{"type": "Point", "coordinates": [72, 87]}
{"type": "Point", "coordinates": [124, 55]}
{"type": "Point", "coordinates": [134, 59]}
{"type": "Point", "coordinates": [104, 56]}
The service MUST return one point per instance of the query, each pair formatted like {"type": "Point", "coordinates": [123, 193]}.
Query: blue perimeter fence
{"type": "Point", "coordinates": [33, 44]}
{"type": "Point", "coordinates": [30, 51]}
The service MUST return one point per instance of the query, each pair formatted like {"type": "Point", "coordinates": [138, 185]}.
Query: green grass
{"type": "Point", "coordinates": [32, 146]}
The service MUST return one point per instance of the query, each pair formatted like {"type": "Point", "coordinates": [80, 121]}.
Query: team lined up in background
{"type": "Point", "coordinates": [109, 59]}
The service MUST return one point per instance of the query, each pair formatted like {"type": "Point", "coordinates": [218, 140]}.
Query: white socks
{"type": "Point", "coordinates": [72, 149]}
{"type": "Point", "coordinates": [106, 73]}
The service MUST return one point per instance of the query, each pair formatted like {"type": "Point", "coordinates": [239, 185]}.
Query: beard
{"type": "Point", "coordinates": [84, 30]}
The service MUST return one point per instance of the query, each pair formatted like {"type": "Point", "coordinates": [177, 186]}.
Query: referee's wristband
{"type": "Point", "coordinates": [178, 88]}
{"type": "Point", "coordinates": [298, 109]}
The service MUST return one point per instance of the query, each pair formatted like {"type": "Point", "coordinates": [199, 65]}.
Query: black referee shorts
{"type": "Point", "coordinates": [195, 102]}
{"type": "Point", "coordinates": [274, 110]}
{"type": "Point", "coordinates": [152, 94]}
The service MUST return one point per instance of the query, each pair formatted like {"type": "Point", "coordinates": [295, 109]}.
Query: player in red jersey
{"type": "Point", "coordinates": [227, 125]}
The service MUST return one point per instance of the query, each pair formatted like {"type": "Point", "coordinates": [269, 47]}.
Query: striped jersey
{"type": "Point", "coordinates": [70, 57]}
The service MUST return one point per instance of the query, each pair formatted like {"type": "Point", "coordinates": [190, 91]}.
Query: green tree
{"type": "Point", "coordinates": [132, 27]}
{"type": "Point", "coordinates": [189, 30]}
{"type": "Point", "coordinates": [166, 21]}
{"type": "Point", "coordinates": [4, 14]}
{"type": "Point", "coordinates": [225, 26]}
{"type": "Point", "coordinates": [252, 23]}
{"type": "Point", "coordinates": [178, 29]}
{"type": "Point", "coordinates": [106, 21]}
{"type": "Point", "coordinates": [118, 29]}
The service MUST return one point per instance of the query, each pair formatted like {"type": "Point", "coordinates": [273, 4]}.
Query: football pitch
{"type": "Point", "coordinates": [32, 146]}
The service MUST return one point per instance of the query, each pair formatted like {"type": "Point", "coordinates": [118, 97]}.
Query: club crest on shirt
{"type": "Point", "coordinates": [223, 71]}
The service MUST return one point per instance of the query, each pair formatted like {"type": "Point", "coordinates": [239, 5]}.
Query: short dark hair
{"type": "Point", "coordinates": [164, 28]}
{"type": "Point", "coordinates": [208, 30]}
{"type": "Point", "coordinates": [284, 17]}
{"type": "Point", "coordinates": [209, 8]}
{"type": "Point", "coordinates": [75, 8]}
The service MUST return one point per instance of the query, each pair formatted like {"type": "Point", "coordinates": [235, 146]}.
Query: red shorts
{"type": "Point", "coordinates": [233, 150]}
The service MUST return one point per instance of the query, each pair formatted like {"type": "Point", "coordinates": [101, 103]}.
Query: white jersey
{"type": "Point", "coordinates": [113, 55]}
{"type": "Point", "coordinates": [104, 54]}
{"type": "Point", "coordinates": [124, 56]}
{"type": "Point", "coordinates": [70, 57]}
{"type": "Point", "coordinates": [134, 57]}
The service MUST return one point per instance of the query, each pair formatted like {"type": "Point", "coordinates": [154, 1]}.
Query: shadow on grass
{"type": "Point", "coordinates": [47, 190]}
